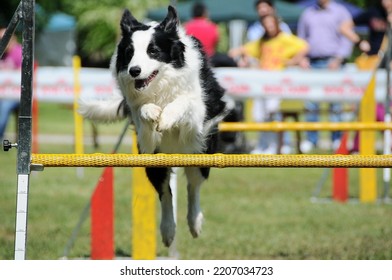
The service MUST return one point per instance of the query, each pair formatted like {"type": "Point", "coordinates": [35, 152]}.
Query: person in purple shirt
{"type": "Point", "coordinates": [11, 59]}
{"type": "Point", "coordinates": [322, 26]}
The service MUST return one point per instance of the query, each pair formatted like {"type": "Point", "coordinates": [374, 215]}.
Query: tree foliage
{"type": "Point", "coordinates": [97, 24]}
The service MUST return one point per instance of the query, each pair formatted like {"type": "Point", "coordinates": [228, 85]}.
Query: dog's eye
{"type": "Point", "coordinates": [151, 50]}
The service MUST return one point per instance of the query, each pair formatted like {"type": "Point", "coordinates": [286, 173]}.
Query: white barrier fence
{"type": "Point", "coordinates": [318, 85]}
{"type": "Point", "coordinates": [55, 84]}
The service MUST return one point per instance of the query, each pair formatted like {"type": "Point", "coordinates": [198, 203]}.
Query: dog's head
{"type": "Point", "coordinates": [144, 51]}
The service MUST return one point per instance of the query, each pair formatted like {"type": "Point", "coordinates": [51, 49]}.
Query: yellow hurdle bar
{"type": "Point", "coordinates": [214, 160]}
{"type": "Point", "coordinates": [302, 126]}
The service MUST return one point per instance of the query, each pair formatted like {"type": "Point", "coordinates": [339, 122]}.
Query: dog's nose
{"type": "Point", "coordinates": [135, 71]}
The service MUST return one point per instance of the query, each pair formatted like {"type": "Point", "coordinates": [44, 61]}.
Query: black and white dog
{"type": "Point", "coordinates": [172, 98]}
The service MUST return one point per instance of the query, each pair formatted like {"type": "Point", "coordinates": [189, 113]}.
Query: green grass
{"type": "Point", "coordinates": [250, 213]}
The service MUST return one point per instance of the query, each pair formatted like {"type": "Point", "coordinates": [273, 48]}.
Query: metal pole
{"type": "Point", "coordinates": [24, 129]}
{"type": "Point", "coordinates": [10, 29]}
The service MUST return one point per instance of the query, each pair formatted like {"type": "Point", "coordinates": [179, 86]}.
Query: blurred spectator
{"type": "Point", "coordinates": [387, 5]}
{"type": "Point", "coordinates": [207, 33]}
{"type": "Point", "coordinates": [276, 50]}
{"type": "Point", "coordinates": [328, 28]}
{"type": "Point", "coordinates": [380, 16]}
{"type": "Point", "coordinates": [375, 18]}
{"type": "Point", "coordinates": [263, 8]}
{"type": "Point", "coordinates": [11, 59]}
{"type": "Point", "coordinates": [203, 29]}
{"type": "Point", "coordinates": [255, 32]}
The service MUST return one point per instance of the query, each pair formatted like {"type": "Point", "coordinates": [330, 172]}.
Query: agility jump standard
{"type": "Point", "coordinates": [225, 160]}
{"type": "Point", "coordinates": [24, 14]}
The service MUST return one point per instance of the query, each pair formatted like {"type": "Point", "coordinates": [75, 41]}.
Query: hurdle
{"type": "Point", "coordinates": [212, 160]}
{"type": "Point", "coordinates": [40, 161]}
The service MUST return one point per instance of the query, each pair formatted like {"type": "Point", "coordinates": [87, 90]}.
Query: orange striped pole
{"type": "Point", "coordinates": [102, 218]}
{"type": "Point", "coordinates": [340, 174]}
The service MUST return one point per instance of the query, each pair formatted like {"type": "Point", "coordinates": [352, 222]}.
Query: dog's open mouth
{"type": "Point", "coordinates": [142, 83]}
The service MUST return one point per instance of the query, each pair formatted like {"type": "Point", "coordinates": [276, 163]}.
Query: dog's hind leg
{"type": "Point", "coordinates": [196, 177]}
{"type": "Point", "coordinates": [159, 177]}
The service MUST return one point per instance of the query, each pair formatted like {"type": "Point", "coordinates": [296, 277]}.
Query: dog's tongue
{"type": "Point", "coordinates": [140, 83]}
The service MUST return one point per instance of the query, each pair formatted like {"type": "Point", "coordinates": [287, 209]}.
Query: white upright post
{"type": "Point", "coordinates": [21, 217]}
{"type": "Point", "coordinates": [173, 186]}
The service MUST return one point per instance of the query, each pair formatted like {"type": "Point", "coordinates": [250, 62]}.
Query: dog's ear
{"type": "Point", "coordinates": [128, 22]}
{"type": "Point", "coordinates": [171, 22]}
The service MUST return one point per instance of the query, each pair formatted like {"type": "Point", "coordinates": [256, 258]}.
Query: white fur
{"type": "Point", "coordinates": [101, 110]}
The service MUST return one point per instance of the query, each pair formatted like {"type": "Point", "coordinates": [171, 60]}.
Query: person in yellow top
{"type": "Point", "coordinates": [275, 51]}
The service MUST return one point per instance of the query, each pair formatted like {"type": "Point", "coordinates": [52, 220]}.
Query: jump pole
{"type": "Point", "coordinates": [340, 175]}
{"type": "Point", "coordinates": [367, 140]}
{"type": "Point", "coordinates": [144, 230]}
{"type": "Point", "coordinates": [78, 119]}
{"type": "Point", "coordinates": [102, 218]}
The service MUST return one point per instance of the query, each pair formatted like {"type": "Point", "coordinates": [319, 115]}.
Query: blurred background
{"type": "Point", "coordinates": [89, 28]}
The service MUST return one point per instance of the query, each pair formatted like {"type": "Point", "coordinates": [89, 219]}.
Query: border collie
{"type": "Point", "coordinates": [171, 96]}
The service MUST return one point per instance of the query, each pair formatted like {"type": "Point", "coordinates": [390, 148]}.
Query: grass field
{"type": "Point", "coordinates": [250, 213]}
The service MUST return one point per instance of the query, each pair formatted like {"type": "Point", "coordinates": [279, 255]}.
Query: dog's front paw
{"type": "Point", "coordinates": [167, 120]}
{"type": "Point", "coordinates": [150, 112]}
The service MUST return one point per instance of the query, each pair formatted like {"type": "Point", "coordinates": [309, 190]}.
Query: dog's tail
{"type": "Point", "coordinates": [210, 124]}
{"type": "Point", "coordinates": [110, 110]}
